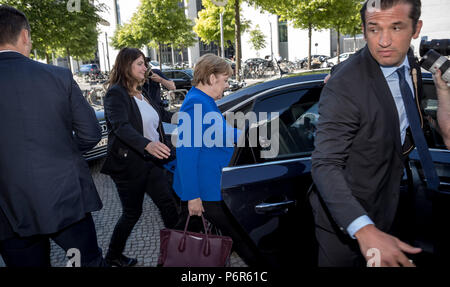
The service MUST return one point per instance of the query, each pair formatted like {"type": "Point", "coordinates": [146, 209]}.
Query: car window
{"type": "Point", "coordinates": [429, 106]}
{"type": "Point", "coordinates": [168, 75]}
{"type": "Point", "coordinates": [297, 120]}
{"type": "Point", "coordinates": [179, 75]}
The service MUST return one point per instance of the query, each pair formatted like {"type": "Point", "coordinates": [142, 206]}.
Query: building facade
{"type": "Point", "coordinates": [282, 39]}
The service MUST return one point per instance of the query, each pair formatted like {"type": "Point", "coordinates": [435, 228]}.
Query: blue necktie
{"type": "Point", "coordinates": [419, 139]}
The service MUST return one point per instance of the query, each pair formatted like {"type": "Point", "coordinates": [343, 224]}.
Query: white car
{"type": "Point", "coordinates": [334, 61]}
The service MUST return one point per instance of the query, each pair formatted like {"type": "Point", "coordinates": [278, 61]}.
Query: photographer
{"type": "Point", "coordinates": [443, 113]}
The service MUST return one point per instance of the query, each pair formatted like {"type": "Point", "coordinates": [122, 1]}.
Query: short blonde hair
{"type": "Point", "coordinates": [207, 65]}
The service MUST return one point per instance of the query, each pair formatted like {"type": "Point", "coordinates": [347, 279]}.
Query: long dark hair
{"type": "Point", "coordinates": [121, 72]}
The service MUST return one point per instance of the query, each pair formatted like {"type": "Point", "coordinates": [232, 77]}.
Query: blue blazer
{"type": "Point", "coordinates": [200, 161]}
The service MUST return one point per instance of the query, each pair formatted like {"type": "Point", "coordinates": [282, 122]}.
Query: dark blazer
{"type": "Point", "coordinates": [127, 157]}
{"type": "Point", "coordinates": [46, 125]}
{"type": "Point", "coordinates": [357, 164]}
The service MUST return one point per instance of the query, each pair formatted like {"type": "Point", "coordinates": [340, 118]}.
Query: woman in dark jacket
{"type": "Point", "coordinates": [136, 150]}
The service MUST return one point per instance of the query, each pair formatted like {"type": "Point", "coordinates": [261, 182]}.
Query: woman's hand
{"type": "Point", "coordinates": [195, 207]}
{"type": "Point", "coordinates": [158, 150]}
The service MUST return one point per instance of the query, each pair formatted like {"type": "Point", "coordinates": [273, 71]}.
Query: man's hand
{"type": "Point", "coordinates": [391, 248]}
{"type": "Point", "coordinates": [441, 86]}
{"type": "Point", "coordinates": [443, 112]}
{"type": "Point", "coordinates": [195, 207]}
{"type": "Point", "coordinates": [158, 150]}
{"type": "Point", "coordinates": [170, 85]}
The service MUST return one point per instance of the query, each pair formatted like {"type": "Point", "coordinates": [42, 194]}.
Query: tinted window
{"type": "Point", "coordinates": [180, 75]}
{"type": "Point", "coordinates": [169, 75]}
{"type": "Point", "coordinates": [429, 106]}
{"type": "Point", "coordinates": [297, 119]}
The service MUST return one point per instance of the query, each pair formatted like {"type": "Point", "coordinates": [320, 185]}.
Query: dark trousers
{"type": "Point", "coordinates": [154, 182]}
{"type": "Point", "coordinates": [34, 251]}
{"type": "Point", "coordinates": [218, 214]}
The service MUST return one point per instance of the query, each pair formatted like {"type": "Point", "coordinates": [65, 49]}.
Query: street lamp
{"type": "Point", "coordinates": [221, 3]}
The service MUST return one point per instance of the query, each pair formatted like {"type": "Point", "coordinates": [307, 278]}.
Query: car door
{"type": "Point", "coordinates": [267, 195]}
{"type": "Point", "coordinates": [430, 211]}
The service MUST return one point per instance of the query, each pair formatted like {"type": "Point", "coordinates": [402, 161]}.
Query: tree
{"type": "Point", "coordinates": [155, 22]}
{"type": "Point", "coordinates": [257, 38]}
{"type": "Point", "coordinates": [353, 26]}
{"type": "Point", "coordinates": [207, 25]}
{"type": "Point", "coordinates": [55, 29]}
{"type": "Point", "coordinates": [304, 14]}
{"type": "Point", "coordinates": [342, 15]}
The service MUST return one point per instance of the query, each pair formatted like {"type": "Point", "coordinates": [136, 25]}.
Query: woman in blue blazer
{"type": "Point", "coordinates": [205, 145]}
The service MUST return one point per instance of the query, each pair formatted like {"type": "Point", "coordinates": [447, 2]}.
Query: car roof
{"type": "Point", "coordinates": [245, 93]}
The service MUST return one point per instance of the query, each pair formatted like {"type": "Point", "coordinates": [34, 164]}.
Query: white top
{"type": "Point", "coordinates": [150, 119]}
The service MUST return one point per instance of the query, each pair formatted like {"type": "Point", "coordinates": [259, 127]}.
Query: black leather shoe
{"type": "Point", "coordinates": [122, 261]}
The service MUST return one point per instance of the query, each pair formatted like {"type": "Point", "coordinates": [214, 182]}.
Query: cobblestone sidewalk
{"type": "Point", "coordinates": [143, 242]}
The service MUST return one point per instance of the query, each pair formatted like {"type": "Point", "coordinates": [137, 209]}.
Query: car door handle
{"type": "Point", "coordinates": [272, 207]}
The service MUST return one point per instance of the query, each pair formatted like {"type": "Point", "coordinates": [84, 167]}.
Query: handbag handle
{"type": "Point", "coordinates": [182, 245]}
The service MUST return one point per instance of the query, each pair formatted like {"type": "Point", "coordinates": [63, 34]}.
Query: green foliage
{"type": "Point", "coordinates": [207, 25]}
{"type": "Point", "coordinates": [302, 13]}
{"type": "Point", "coordinates": [55, 29]}
{"type": "Point", "coordinates": [353, 24]}
{"type": "Point", "coordinates": [156, 22]}
{"type": "Point", "coordinates": [257, 38]}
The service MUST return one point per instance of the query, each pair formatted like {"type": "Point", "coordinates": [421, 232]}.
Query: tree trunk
{"type": "Point", "coordinates": [354, 43]}
{"type": "Point", "coordinates": [68, 59]}
{"type": "Point", "coordinates": [160, 56]}
{"type": "Point", "coordinates": [237, 36]}
{"type": "Point", "coordinates": [338, 44]}
{"type": "Point", "coordinates": [173, 55]}
{"type": "Point", "coordinates": [47, 58]}
{"type": "Point", "coordinates": [309, 45]}
{"type": "Point", "coordinates": [182, 55]}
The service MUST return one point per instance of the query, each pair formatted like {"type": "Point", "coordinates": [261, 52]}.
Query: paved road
{"type": "Point", "coordinates": [143, 242]}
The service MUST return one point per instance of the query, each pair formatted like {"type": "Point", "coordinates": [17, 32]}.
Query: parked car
{"type": "Point", "coordinates": [99, 150]}
{"type": "Point", "coordinates": [181, 78]}
{"type": "Point", "coordinates": [89, 69]}
{"type": "Point", "coordinates": [334, 61]}
{"type": "Point", "coordinates": [316, 61]}
{"type": "Point", "coordinates": [268, 196]}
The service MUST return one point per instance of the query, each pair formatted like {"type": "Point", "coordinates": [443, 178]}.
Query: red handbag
{"type": "Point", "coordinates": [190, 249]}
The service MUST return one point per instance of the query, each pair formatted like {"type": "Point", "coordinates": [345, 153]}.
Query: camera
{"type": "Point", "coordinates": [434, 54]}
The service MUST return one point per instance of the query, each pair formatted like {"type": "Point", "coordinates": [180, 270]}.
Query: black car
{"type": "Point", "coordinates": [99, 150]}
{"type": "Point", "coordinates": [268, 196]}
{"type": "Point", "coordinates": [181, 78]}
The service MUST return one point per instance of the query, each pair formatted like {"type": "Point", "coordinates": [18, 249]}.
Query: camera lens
{"type": "Point", "coordinates": [440, 46]}
{"type": "Point", "coordinates": [433, 61]}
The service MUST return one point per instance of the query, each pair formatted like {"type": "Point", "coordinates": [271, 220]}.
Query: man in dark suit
{"type": "Point", "coordinates": [46, 190]}
{"type": "Point", "coordinates": [363, 138]}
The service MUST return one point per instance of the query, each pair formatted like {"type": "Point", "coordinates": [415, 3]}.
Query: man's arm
{"type": "Point", "coordinates": [337, 126]}
{"type": "Point", "coordinates": [158, 77]}
{"type": "Point", "coordinates": [86, 128]}
{"type": "Point", "coordinates": [443, 112]}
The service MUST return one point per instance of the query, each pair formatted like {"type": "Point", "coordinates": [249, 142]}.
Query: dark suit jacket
{"type": "Point", "coordinates": [357, 164]}
{"type": "Point", "coordinates": [127, 157]}
{"type": "Point", "coordinates": [46, 125]}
